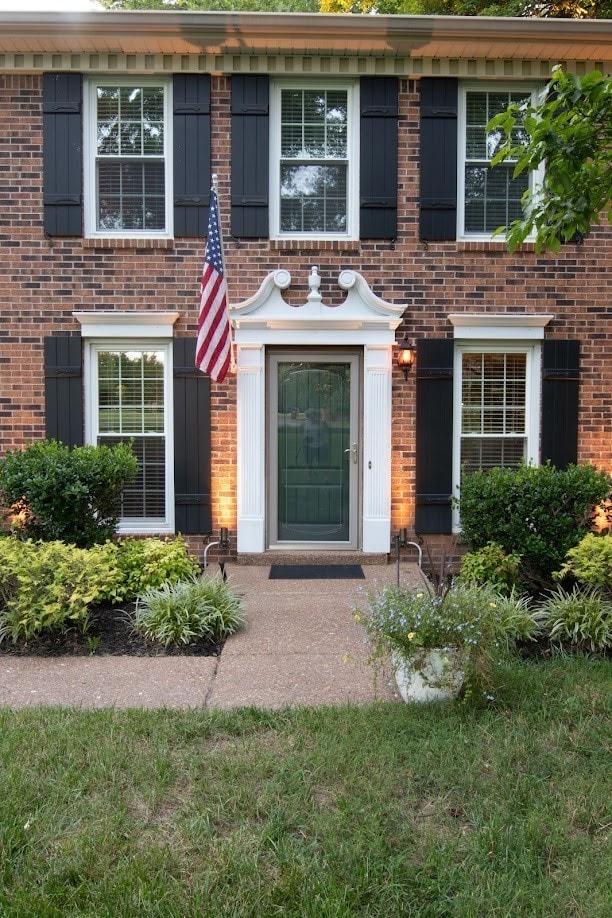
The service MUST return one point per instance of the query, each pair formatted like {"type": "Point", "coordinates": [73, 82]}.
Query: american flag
{"type": "Point", "coordinates": [214, 346]}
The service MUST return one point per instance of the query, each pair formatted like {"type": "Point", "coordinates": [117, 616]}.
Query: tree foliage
{"type": "Point", "coordinates": [553, 9]}
{"type": "Point", "coordinates": [570, 132]}
{"type": "Point", "coordinates": [242, 6]}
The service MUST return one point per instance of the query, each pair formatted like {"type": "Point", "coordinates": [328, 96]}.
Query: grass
{"type": "Point", "coordinates": [386, 810]}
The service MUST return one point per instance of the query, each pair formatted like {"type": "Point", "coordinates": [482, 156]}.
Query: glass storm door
{"type": "Point", "coordinates": [314, 449]}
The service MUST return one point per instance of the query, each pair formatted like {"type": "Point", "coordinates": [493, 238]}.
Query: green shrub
{"type": "Point", "coordinates": [48, 586]}
{"type": "Point", "coordinates": [145, 563]}
{"type": "Point", "coordinates": [492, 565]}
{"type": "Point", "coordinates": [539, 512]}
{"type": "Point", "coordinates": [581, 617]}
{"type": "Point", "coordinates": [198, 609]}
{"type": "Point", "coordinates": [590, 562]}
{"type": "Point", "coordinates": [66, 494]}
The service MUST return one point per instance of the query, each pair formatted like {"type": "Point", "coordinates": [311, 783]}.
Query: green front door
{"type": "Point", "coordinates": [314, 449]}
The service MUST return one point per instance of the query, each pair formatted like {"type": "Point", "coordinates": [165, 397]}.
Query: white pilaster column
{"type": "Point", "coordinates": [251, 432]}
{"type": "Point", "coordinates": [376, 448]}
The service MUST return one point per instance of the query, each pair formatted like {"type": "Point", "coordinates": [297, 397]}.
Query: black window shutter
{"type": "Point", "coordinates": [191, 138]}
{"type": "Point", "coordinates": [63, 389]}
{"type": "Point", "coordinates": [191, 442]}
{"type": "Point", "coordinates": [434, 436]}
{"type": "Point", "coordinates": [560, 380]}
{"type": "Point", "coordinates": [438, 158]}
{"type": "Point", "coordinates": [62, 154]}
{"type": "Point", "coordinates": [378, 158]}
{"type": "Point", "coordinates": [250, 156]}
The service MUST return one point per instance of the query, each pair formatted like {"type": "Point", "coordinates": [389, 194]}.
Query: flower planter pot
{"type": "Point", "coordinates": [432, 675]}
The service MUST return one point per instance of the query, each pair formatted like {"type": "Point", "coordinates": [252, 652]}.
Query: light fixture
{"type": "Point", "coordinates": [405, 356]}
{"type": "Point", "coordinates": [224, 537]}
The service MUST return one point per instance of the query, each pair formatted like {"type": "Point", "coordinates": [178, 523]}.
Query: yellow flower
{"type": "Point", "coordinates": [410, 635]}
{"type": "Point", "coordinates": [493, 605]}
{"type": "Point", "coordinates": [357, 617]}
{"type": "Point", "coordinates": [419, 595]}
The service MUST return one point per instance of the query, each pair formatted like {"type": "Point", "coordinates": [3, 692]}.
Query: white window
{"type": "Point", "coordinates": [488, 197]}
{"type": "Point", "coordinates": [313, 163]}
{"type": "Point", "coordinates": [127, 161]}
{"type": "Point", "coordinates": [497, 407]}
{"type": "Point", "coordinates": [128, 400]}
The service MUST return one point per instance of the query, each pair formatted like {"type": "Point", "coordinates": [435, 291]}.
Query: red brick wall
{"type": "Point", "coordinates": [44, 280]}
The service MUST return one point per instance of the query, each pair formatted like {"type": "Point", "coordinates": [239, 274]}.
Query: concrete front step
{"type": "Point", "coordinates": [312, 557]}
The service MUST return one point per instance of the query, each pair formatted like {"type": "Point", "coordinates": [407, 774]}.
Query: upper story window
{"type": "Point", "coordinates": [314, 161]}
{"type": "Point", "coordinates": [127, 163]}
{"type": "Point", "coordinates": [488, 197]}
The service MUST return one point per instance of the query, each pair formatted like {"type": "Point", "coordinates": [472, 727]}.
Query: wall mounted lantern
{"type": "Point", "coordinates": [405, 356]}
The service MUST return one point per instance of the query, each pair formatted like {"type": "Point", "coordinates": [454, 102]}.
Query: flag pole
{"type": "Point", "coordinates": [215, 188]}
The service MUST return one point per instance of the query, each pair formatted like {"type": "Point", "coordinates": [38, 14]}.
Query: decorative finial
{"type": "Point", "coordinates": [314, 282]}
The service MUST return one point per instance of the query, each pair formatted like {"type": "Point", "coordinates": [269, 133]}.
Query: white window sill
{"type": "Point", "coordinates": [128, 242]}
{"type": "Point", "coordinates": [150, 528]}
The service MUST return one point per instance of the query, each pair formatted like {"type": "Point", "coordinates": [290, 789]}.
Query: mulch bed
{"type": "Point", "coordinates": [111, 625]}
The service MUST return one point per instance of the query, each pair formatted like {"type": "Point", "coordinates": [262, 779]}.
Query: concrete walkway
{"type": "Point", "coordinates": [300, 645]}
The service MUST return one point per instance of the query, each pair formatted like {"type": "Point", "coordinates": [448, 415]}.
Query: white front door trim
{"type": "Point", "coordinates": [362, 320]}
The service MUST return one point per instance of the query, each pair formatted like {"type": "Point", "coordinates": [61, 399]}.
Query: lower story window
{"type": "Point", "coordinates": [493, 410]}
{"type": "Point", "coordinates": [497, 407]}
{"type": "Point", "coordinates": [130, 403]}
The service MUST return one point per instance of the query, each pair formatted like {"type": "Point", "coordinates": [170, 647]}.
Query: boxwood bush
{"type": "Point", "coordinates": [70, 495]}
{"type": "Point", "coordinates": [538, 512]}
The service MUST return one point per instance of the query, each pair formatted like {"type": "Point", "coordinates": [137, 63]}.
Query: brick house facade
{"type": "Point", "coordinates": [102, 253]}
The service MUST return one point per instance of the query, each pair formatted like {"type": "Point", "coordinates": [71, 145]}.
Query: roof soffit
{"type": "Point", "coordinates": [302, 34]}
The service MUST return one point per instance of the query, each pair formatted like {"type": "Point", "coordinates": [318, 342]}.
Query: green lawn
{"type": "Point", "coordinates": [384, 810]}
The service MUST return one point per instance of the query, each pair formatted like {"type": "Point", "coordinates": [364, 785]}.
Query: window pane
{"type": "Point", "coordinates": [314, 106]}
{"type": "Point", "coordinates": [490, 453]}
{"type": "Point", "coordinates": [291, 106]}
{"type": "Point", "coordinates": [313, 198]}
{"type": "Point", "coordinates": [131, 195]}
{"type": "Point", "coordinates": [292, 141]}
{"type": "Point", "coordinates": [314, 124]}
{"type": "Point", "coordinates": [131, 393]}
{"type": "Point", "coordinates": [145, 496]}
{"type": "Point", "coordinates": [492, 197]}
{"type": "Point", "coordinates": [314, 142]}
{"type": "Point", "coordinates": [108, 138]}
{"type": "Point", "coordinates": [476, 108]}
{"type": "Point", "coordinates": [131, 102]}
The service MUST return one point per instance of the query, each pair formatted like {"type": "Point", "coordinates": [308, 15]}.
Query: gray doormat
{"type": "Point", "coordinates": [316, 572]}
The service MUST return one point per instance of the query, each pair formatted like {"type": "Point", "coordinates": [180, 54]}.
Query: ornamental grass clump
{"type": "Point", "coordinates": [579, 618]}
{"type": "Point", "coordinates": [198, 609]}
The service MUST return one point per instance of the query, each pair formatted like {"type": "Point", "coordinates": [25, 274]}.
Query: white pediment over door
{"type": "Point", "coordinates": [362, 320]}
